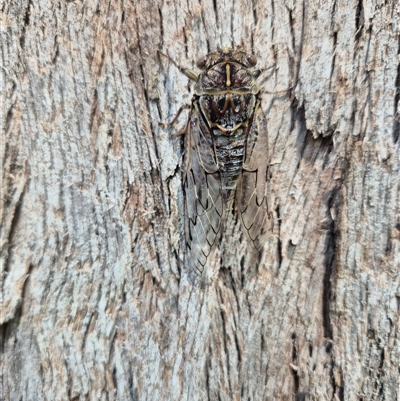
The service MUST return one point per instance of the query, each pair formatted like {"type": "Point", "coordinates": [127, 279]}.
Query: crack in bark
{"type": "Point", "coordinates": [208, 369]}
{"type": "Point", "coordinates": [294, 368]}
{"type": "Point", "coordinates": [215, 11]}
{"type": "Point", "coordinates": [242, 271]}
{"type": "Point", "coordinates": [329, 260]}
{"type": "Point", "coordinates": [279, 241]}
{"type": "Point", "coordinates": [333, 64]}
{"type": "Point", "coordinates": [396, 123]}
{"type": "Point", "coordinates": [161, 28]}
{"type": "Point", "coordinates": [26, 22]}
{"type": "Point", "coordinates": [225, 337]}
{"type": "Point", "coordinates": [359, 19]}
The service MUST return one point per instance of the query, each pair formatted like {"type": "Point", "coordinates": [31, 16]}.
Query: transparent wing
{"type": "Point", "coordinates": [203, 201]}
{"type": "Point", "coordinates": [253, 188]}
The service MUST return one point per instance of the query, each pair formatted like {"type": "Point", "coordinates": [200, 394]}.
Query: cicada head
{"type": "Point", "coordinates": [226, 70]}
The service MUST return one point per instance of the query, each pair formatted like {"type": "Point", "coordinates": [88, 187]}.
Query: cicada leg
{"type": "Point", "coordinates": [174, 120]}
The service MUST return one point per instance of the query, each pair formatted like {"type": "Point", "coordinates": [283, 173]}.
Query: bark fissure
{"type": "Point", "coordinates": [330, 251]}
{"type": "Point", "coordinates": [294, 367]}
{"type": "Point", "coordinates": [359, 20]}
{"type": "Point", "coordinates": [26, 22]}
{"type": "Point", "coordinates": [396, 123]}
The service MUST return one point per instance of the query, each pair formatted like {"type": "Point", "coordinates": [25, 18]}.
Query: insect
{"type": "Point", "coordinates": [225, 153]}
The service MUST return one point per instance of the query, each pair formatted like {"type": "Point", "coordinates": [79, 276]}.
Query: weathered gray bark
{"type": "Point", "coordinates": [96, 302]}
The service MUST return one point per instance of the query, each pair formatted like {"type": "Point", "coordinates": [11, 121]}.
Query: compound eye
{"type": "Point", "coordinates": [201, 62]}
{"type": "Point", "coordinates": [252, 59]}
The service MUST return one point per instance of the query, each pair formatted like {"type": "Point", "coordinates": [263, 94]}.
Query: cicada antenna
{"type": "Point", "coordinates": [191, 74]}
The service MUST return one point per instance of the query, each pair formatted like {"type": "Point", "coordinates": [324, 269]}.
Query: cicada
{"type": "Point", "coordinates": [225, 154]}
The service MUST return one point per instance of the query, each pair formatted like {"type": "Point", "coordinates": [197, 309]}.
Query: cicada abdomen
{"type": "Point", "coordinates": [226, 154]}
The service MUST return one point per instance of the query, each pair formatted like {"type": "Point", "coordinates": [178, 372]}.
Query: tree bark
{"type": "Point", "coordinates": [96, 299]}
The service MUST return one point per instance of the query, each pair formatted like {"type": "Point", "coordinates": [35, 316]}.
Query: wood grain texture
{"type": "Point", "coordinates": [96, 301]}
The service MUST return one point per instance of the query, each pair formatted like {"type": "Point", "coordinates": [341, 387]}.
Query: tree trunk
{"type": "Point", "coordinates": [96, 299]}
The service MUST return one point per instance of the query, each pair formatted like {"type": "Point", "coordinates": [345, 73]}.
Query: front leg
{"type": "Point", "coordinates": [174, 120]}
